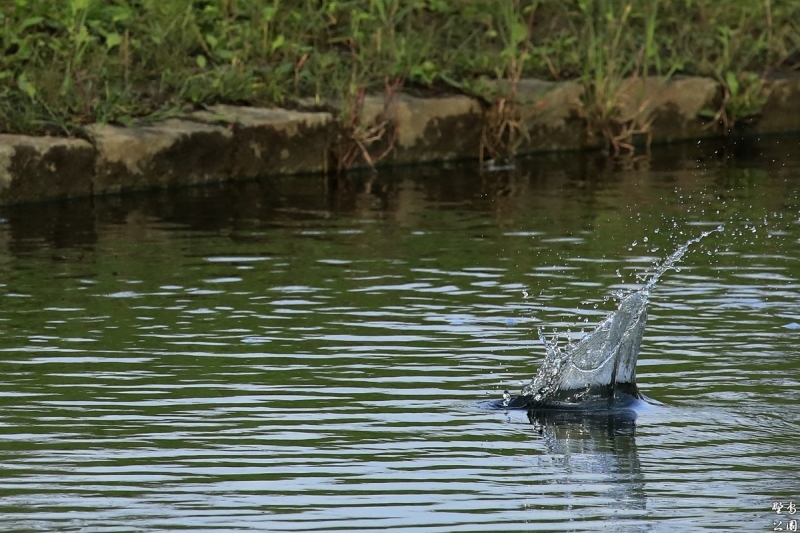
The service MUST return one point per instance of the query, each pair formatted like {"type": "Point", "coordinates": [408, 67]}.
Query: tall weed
{"type": "Point", "coordinates": [66, 63]}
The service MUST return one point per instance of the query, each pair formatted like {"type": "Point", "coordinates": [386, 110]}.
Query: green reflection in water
{"type": "Point", "coordinates": [309, 353]}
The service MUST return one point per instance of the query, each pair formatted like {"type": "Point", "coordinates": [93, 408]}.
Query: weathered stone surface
{"type": "Point", "coordinates": [781, 113]}
{"type": "Point", "coordinates": [553, 116]}
{"type": "Point", "coordinates": [671, 106]}
{"type": "Point", "coordinates": [227, 142]}
{"type": "Point", "coordinates": [529, 90]}
{"type": "Point", "coordinates": [427, 129]}
{"type": "Point", "coordinates": [39, 168]}
{"type": "Point", "coordinates": [550, 113]}
{"type": "Point", "coordinates": [274, 141]}
{"type": "Point", "coordinates": [173, 152]}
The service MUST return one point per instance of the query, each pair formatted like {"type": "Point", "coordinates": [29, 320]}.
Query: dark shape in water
{"type": "Point", "coordinates": [599, 372]}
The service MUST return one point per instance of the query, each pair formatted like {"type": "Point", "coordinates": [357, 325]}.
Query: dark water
{"type": "Point", "coordinates": [302, 354]}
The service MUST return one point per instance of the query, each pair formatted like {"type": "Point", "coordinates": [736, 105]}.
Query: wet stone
{"type": "Point", "coordinates": [229, 142]}
{"type": "Point", "coordinates": [435, 128]}
{"type": "Point", "coordinates": [671, 107]}
{"type": "Point", "coordinates": [553, 116]}
{"type": "Point", "coordinates": [780, 112]}
{"type": "Point", "coordinates": [39, 168]}
{"type": "Point", "coordinates": [550, 113]}
{"type": "Point", "coordinates": [273, 141]}
{"type": "Point", "coordinates": [418, 129]}
{"type": "Point", "coordinates": [169, 153]}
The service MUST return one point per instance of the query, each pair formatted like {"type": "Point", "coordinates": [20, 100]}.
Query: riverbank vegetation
{"type": "Point", "coordinates": [68, 63]}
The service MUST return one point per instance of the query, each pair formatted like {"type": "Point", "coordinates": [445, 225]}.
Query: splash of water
{"type": "Point", "coordinates": [602, 364]}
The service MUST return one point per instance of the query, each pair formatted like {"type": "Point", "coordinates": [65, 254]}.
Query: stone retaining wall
{"type": "Point", "coordinates": [228, 142]}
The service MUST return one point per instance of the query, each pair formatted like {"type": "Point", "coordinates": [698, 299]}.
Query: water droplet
{"type": "Point", "coordinates": [506, 398]}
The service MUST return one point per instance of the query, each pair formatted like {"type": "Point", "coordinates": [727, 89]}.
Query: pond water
{"type": "Point", "coordinates": [312, 354]}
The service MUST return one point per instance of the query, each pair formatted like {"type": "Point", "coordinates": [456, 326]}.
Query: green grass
{"type": "Point", "coordinates": [67, 63]}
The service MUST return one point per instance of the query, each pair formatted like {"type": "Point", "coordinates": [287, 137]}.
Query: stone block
{"type": "Point", "coordinates": [551, 113]}
{"type": "Point", "coordinates": [437, 128]}
{"type": "Point", "coordinates": [41, 168]}
{"type": "Point", "coordinates": [781, 113]}
{"type": "Point", "coordinates": [170, 153]}
{"type": "Point", "coordinates": [671, 106]}
{"type": "Point", "coordinates": [553, 116]}
{"type": "Point", "coordinates": [274, 141]}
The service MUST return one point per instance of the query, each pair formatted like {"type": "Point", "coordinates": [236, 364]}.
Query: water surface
{"type": "Point", "coordinates": [312, 354]}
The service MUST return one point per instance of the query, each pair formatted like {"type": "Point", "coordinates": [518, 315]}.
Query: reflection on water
{"type": "Point", "coordinates": [602, 446]}
{"type": "Point", "coordinates": [310, 353]}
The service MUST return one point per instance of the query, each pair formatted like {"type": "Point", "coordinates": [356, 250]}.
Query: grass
{"type": "Point", "coordinates": [606, 65]}
{"type": "Point", "coordinates": [69, 63]}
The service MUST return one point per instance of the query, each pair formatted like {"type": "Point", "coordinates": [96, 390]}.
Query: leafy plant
{"type": "Point", "coordinates": [743, 97]}
{"type": "Point", "coordinates": [604, 71]}
{"type": "Point", "coordinates": [82, 61]}
{"type": "Point", "coordinates": [505, 129]}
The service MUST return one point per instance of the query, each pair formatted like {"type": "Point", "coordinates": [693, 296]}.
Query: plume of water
{"type": "Point", "coordinates": [604, 361]}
